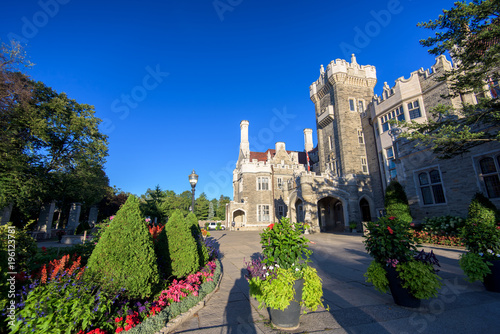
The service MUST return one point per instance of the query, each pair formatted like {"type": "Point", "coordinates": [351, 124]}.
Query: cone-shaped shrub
{"type": "Point", "coordinates": [192, 222]}
{"type": "Point", "coordinates": [163, 255]}
{"type": "Point", "coordinates": [124, 257]}
{"type": "Point", "coordinates": [182, 246]}
{"type": "Point", "coordinates": [396, 202]}
{"type": "Point", "coordinates": [481, 232]}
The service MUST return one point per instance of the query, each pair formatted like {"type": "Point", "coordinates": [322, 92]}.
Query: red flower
{"type": "Point", "coordinates": [390, 230]}
{"type": "Point", "coordinates": [119, 329]}
{"type": "Point", "coordinates": [392, 217]}
{"type": "Point", "coordinates": [271, 226]}
{"type": "Point", "coordinates": [44, 249]}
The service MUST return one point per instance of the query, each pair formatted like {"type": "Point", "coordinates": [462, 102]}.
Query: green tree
{"type": "Point", "coordinates": [125, 257]}
{"type": "Point", "coordinates": [153, 200]}
{"type": "Point", "coordinates": [182, 246]}
{"type": "Point", "coordinates": [50, 145]}
{"type": "Point", "coordinates": [396, 202]}
{"type": "Point", "coordinates": [202, 206]}
{"type": "Point", "coordinates": [193, 225]}
{"type": "Point", "coordinates": [470, 33]}
{"type": "Point", "coordinates": [211, 211]}
{"type": "Point", "coordinates": [221, 207]}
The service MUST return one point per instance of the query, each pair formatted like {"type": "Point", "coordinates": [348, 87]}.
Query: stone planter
{"type": "Point", "coordinates": [289, 318]}
{"type": "Point", "coordinates": [401, 296]}
{"type": "Point", "coordinates": [492, 281]}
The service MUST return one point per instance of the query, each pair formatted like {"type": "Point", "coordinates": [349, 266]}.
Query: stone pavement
{"type": "Point", "coordinates": [354, 305]}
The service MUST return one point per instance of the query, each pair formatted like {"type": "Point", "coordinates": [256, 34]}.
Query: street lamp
{"type": "Point", "coordinates": [193, 179]}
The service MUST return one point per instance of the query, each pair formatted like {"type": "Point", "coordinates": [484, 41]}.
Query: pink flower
{"type": "Point", "coordinates": [392, 217]}
{"type": "Point", "coordinates": [111, 218]}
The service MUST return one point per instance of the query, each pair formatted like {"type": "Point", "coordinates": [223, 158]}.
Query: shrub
{"type": "Point", "coordinates": [192, 222]}
{"type": "Point", "coordinates": [481, 232]}
{"type": "Point", "coordinates": [443, 225]}
{"type": "Point", "coordinates": [82, 227]}
{"type": "Point", "coordinates": [182, 246]}
{"type": "Point", "coordinates": [419, 278]}
{"type": "Point", "coordinates": [377, 275]}
{"type": "Point", "coordinates": [25, 245]}
{"type": "Point", "coordinates": [163, 255]}
{"type": "Point", "coordinates": [396, 202]}
{"type": "Point", "coordinates": [474, 266]}
{"type": "Point", "coordinates": [124, 257]}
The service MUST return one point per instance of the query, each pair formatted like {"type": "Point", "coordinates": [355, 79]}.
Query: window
{"type": "Point", "coordinates": [360, 137]}
{"type": "Point", "coordinates": [391, 163]}
{"type": "Point", "coordinates": [385, 122]}
{"type": "Point", "coordinates": [361, 106]}
{"type": "Point", "coordinates": [330, 142]}
{"type": "Point", "coordinates": [262, 183]}
{"type": "Point", "coordinates": [431, 188]}
{"type": "Point", "coordinates": [490, 175]}
{"type": "Point", "coordinates": [364, 165]}
{"type": "Point", "coordinates": [351, 105]}
{"type": "Point", "coordinates": [400, 115]}
{"type": "Point", "coordinates": [263, 213]}
{"type": "Point", "coordinates": [414, 110]}
{"type": "Point", "coordinates": [389, 152]}
{"type": "Point", "coordinates": [281, 211]}
{"type": "Point", "coordinates": [280, 183]}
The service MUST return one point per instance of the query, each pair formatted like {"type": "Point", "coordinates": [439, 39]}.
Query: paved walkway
{"type": "Point", "coordinates": [354, 305]}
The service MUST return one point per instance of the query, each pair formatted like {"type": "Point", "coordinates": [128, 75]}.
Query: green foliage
{"type": "Point", "coordinates": [274, 292]}
{"type": "Point", "coordinates": [283, 244]}
{"type": "Point", "coordinates": [474, 266]}
{"type": "Point", "coordinates": [377, 275]}
{"type": "Point", "coordinates": [481, 233]}
{"type": "Point", "coordinates": [470, 32]}
{"type": "Point", "coordinates": [202, 206]}
{"type": "Point", "coordinates": [353, 225]}
{"type": "Point", "coordinates": [312, 294]}
{"type": "Point", "coordinates": [419, 278]}
{"type": "Point", "coordinates": [396, 202]}
{"type": "Point", "coordinates": [182, 246]}
{"type": "Point", "coordinates": [45, 255]}
{"type": "Point", "coordinates": [163, 255]}
{"type": "Point", "coordinates": [389, 238]}
{"type": "Point", "coordinates": [21, 244]}
{"type": "Point", "coordinates": [443, 225]}
{"type": "Point", "coordinates": [82, 227]}
{"type": "Point", "coordinates": [124, 257]}
{"type": "Point", "coordinates": [62, 306]}
{"type": "Point", "coordinates": [192, 222]}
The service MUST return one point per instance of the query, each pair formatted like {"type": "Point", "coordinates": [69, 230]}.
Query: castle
{"type": "Point", "coordinates": [358, 153]}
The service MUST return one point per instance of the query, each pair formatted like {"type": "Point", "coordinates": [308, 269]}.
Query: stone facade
{"type": "Point", "coordinates": [343, 179]}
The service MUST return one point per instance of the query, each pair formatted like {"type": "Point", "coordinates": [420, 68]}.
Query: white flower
{"type": "Point", "coordinates": [271, 267]}
{"type": "Point", "coordinates": [296, 269]}
{"type": "Point", "coordinates": [277, 266]}
{"type": "Point", "coordinates": [264, 267]}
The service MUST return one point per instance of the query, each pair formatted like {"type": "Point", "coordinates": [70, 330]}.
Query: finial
{"type": "Point", "coordinates": [321, 69]}
{"type": "Point", "coordinates": [353, 59]}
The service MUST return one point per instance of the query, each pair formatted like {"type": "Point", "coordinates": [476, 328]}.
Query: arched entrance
{"type": "Point", "coordinates": [239, 218]}
{"type": "Point", "coordinates": [364, 206]}
{"type": "Point", "coordinates": [299, 211]}
{"type": "Point", "coordinates": [331, 215]}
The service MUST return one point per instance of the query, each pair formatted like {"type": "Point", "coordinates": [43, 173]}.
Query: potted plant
{"type": "Point", "coordinates": [397, 265]}
{"type": "Point", "coordinates": [281, 278]}
{"type": "Point", "coordinates": [481, 235]}
{"type": "Point", "coordinates": [353, 225]}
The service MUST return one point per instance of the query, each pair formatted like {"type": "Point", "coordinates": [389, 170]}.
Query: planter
{"type": "Point", "coordinates": [289, 317]}
{"type": "Point", "coordinates": [492, 281]}
{"type": "Point", "coordinates": [401, 296]}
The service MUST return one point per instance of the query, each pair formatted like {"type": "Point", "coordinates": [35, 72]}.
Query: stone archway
{"type": "Point", "coordinates": [331, 215]}
{"type": "Point", "coordinates": [239, 218]}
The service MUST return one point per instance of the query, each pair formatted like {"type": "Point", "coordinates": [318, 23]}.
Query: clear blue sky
{"type": "Point", "coordinates": [173, 79]}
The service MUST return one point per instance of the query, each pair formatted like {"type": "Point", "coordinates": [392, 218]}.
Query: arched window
{"type": "Point", "coordinates": [431, 187]}
{"type": "Point", "coordinates": [490, 171]}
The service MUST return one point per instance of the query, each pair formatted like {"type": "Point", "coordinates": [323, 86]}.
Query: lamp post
{"type": "Point", "coordinates": [193, 179]}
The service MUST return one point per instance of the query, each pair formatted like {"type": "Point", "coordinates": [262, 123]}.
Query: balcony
{"type": "Point", "coordinates": [326, 116]}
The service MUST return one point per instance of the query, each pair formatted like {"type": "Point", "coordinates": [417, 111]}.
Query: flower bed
{"type": "Point", "coordinates": [444, 240]}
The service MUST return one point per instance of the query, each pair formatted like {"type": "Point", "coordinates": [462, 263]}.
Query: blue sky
{"type": "Point", "coordinates": [172, 80]}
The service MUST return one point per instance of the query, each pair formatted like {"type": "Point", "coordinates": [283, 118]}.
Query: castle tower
{"type": "Point", "coordinates": [244, 144]}
{"type": "Point", "coordinates": [308, 140]}
{"type": "Point", "coordinates": [340, 96]}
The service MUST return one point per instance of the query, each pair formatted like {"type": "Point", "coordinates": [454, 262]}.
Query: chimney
{"type": "Point", "coordinates": [308, 139]}
{"type": "Point", "coordinates": [244, 144]}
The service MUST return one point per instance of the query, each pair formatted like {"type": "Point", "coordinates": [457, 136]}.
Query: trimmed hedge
{"type": "Point", "coordinates": [396, 202]}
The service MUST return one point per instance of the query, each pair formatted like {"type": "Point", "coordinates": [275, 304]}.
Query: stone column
{"type": "Point", "coordinates": [74, 216]}
{"type": "Point", "coordinates": [46, 216]}
{"type": "Point", "coordinates": [5, 214]}
{"type": "Point", "coordinates": [93, 215]}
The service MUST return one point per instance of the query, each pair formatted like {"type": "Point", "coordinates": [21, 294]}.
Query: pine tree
{"type": "Point", "coordinates": [396, 202]}
{"type": "Point", "coordinates": [182, 246]}
{"type": "Point", "coordinates": [124, 257]}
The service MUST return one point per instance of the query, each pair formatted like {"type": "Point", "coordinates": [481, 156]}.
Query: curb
{"type": "Point", "coordinates": [181, 318]}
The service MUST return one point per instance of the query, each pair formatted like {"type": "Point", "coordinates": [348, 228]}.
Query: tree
{"type": "Point", "coordinates": [181, 245]}
{"type": "Point", "coordinates": [396, 202]}
{"type": "Point", "coordinates": [125, 257]}
{"type": "Point", "coordinates": [221, 207]}
{"type": "Point", "coordinates": [202, 206]}
{"type": "Point", "coordinates": [470, 32]}
{"type": "Point", "coordinates": [50, 146]}
{"type": "Point", "coordinates": [153, 203]}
